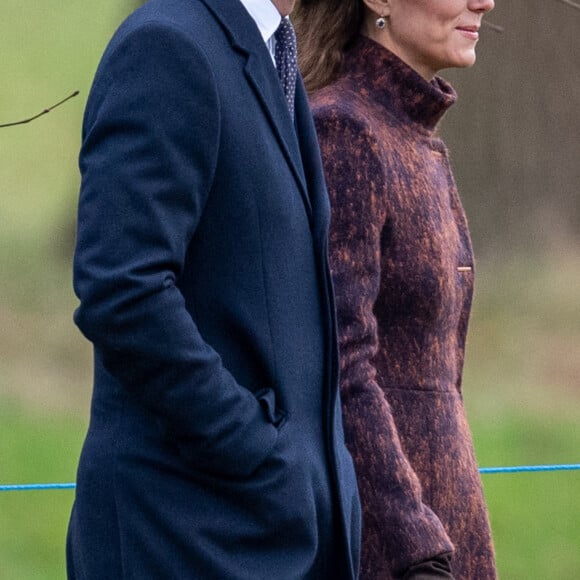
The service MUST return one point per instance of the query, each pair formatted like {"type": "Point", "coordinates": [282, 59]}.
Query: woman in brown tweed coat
{"type": "Point", "coordinates": [402, 264]}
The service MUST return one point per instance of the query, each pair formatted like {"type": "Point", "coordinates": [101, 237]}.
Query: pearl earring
{"type": "Point", "coordinates": [380, 22]}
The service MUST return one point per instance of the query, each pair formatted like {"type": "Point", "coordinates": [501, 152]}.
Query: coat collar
{"type": "Point", "coordinates": [245, 38]}
{"type": "Point", "coordinates": [391, 83]}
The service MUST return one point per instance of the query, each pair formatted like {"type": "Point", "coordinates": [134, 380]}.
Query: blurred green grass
{"type": "Point", "coordinates": [522, 391]}
{"type": "Point", "coordinates": [522, 379]}
{"type": "Point", "coordinates": [49, 49]}
{"type": "Point", "coordinates": [35, 448]}
{"type": "Point", "coordinates": [535, 517]}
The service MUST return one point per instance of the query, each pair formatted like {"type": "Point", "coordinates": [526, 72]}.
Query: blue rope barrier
{"type": "Point", "coordinates": [483, 470]}
{"type": "Point", "coordinates": [37, 486]}
{"type": "Point", "coordinates": [528, 468]}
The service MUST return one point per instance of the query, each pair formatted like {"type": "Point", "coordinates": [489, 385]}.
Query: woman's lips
{"type": "Point", "coordinates": [471, 32]}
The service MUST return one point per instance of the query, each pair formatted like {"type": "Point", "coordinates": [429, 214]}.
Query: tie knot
{"type": "Point", "coordinates": [285, 34]}
{"type": "Point", "coordinates": [286, 61]}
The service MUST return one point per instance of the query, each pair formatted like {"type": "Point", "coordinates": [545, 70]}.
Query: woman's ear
{"type": "Point", "coordinates": [378, 7]}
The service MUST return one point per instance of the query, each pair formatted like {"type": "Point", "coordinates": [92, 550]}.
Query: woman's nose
{"type": "Point", "coordinates": [481, 5]}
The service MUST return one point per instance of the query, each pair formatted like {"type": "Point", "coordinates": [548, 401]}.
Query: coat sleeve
{"type": "Point", "coordinates": [398, 527]}
{"type": "Point", "coordinates": [150, 144]}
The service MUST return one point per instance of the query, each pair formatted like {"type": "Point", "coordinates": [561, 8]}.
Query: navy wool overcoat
{"type": "Point", "coordinates": [215, 447]}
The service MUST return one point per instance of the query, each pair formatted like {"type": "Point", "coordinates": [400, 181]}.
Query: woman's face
{"type": "Point", "coordinates": [430, 35]}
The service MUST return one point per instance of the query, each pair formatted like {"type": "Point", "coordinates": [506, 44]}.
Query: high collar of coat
{"type": "Point", "coordinates": [386, 80]}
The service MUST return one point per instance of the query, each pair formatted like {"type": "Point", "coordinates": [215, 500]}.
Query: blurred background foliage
{"type": "Point", "coordinates": [514, 137]}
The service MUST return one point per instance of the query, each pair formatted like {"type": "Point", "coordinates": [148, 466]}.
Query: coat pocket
{"type": "Point", "coordinates": [267, 400]}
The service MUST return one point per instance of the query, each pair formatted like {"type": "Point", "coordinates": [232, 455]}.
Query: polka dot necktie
{"type": "Point", "coordinates": [286, 63]}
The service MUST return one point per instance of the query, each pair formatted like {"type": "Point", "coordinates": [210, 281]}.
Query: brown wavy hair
{"type": "Point", "coordinates": [324, 30]}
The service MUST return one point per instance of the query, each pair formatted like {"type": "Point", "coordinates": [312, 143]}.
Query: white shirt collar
{"type": "Point", "coordinates": [265, 15]}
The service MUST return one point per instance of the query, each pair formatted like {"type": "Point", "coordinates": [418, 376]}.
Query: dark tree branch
{"type": "Point", "coordinates": [494, 27]}
{"type": "Point", "coordinates": [24, 121]}
{"type": "Point", "coordinates": [571, 3]}
{"type": "Point", "coordinates": [500, 29]}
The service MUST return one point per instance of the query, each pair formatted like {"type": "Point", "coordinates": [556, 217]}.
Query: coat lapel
{"type": "Point", "coordinates": [312, 165]}
{"type": "Point", "coordinates": [261, 74]}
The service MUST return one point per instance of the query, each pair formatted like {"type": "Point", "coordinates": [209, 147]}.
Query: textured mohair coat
{"type": "Point", "coordinates": [402, 264]}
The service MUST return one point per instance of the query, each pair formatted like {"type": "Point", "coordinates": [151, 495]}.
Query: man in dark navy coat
{"type": "Point", "coordinates": [215, 447]}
